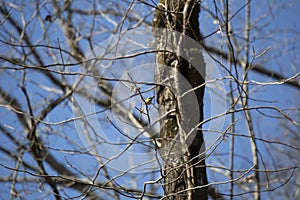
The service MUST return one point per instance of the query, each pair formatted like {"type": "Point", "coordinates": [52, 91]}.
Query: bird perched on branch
{"type": "Point", "coordinates": [148, 101]}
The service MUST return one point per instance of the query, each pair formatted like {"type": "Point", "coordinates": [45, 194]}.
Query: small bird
{"type": "Point", "coordinates": [148, 101]}
{"type": "Point", "coordinates": [48, 18]}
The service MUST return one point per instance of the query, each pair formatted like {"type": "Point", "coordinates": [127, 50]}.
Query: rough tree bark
{"type": "Point", "coordinates": [180, 89]}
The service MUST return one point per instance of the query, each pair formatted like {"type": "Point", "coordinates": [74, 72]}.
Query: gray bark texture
{"type": "Point", "coordinates": [180, 93]}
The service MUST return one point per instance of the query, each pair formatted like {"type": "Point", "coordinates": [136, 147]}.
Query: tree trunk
{"type": "Point", "coordinates": [180, 98]}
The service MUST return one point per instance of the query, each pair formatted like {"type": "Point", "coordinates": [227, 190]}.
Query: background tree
{"type": "Point", "coordinates": [185, 173]}
{"type": "Point", "coordinates": [76, 121]}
